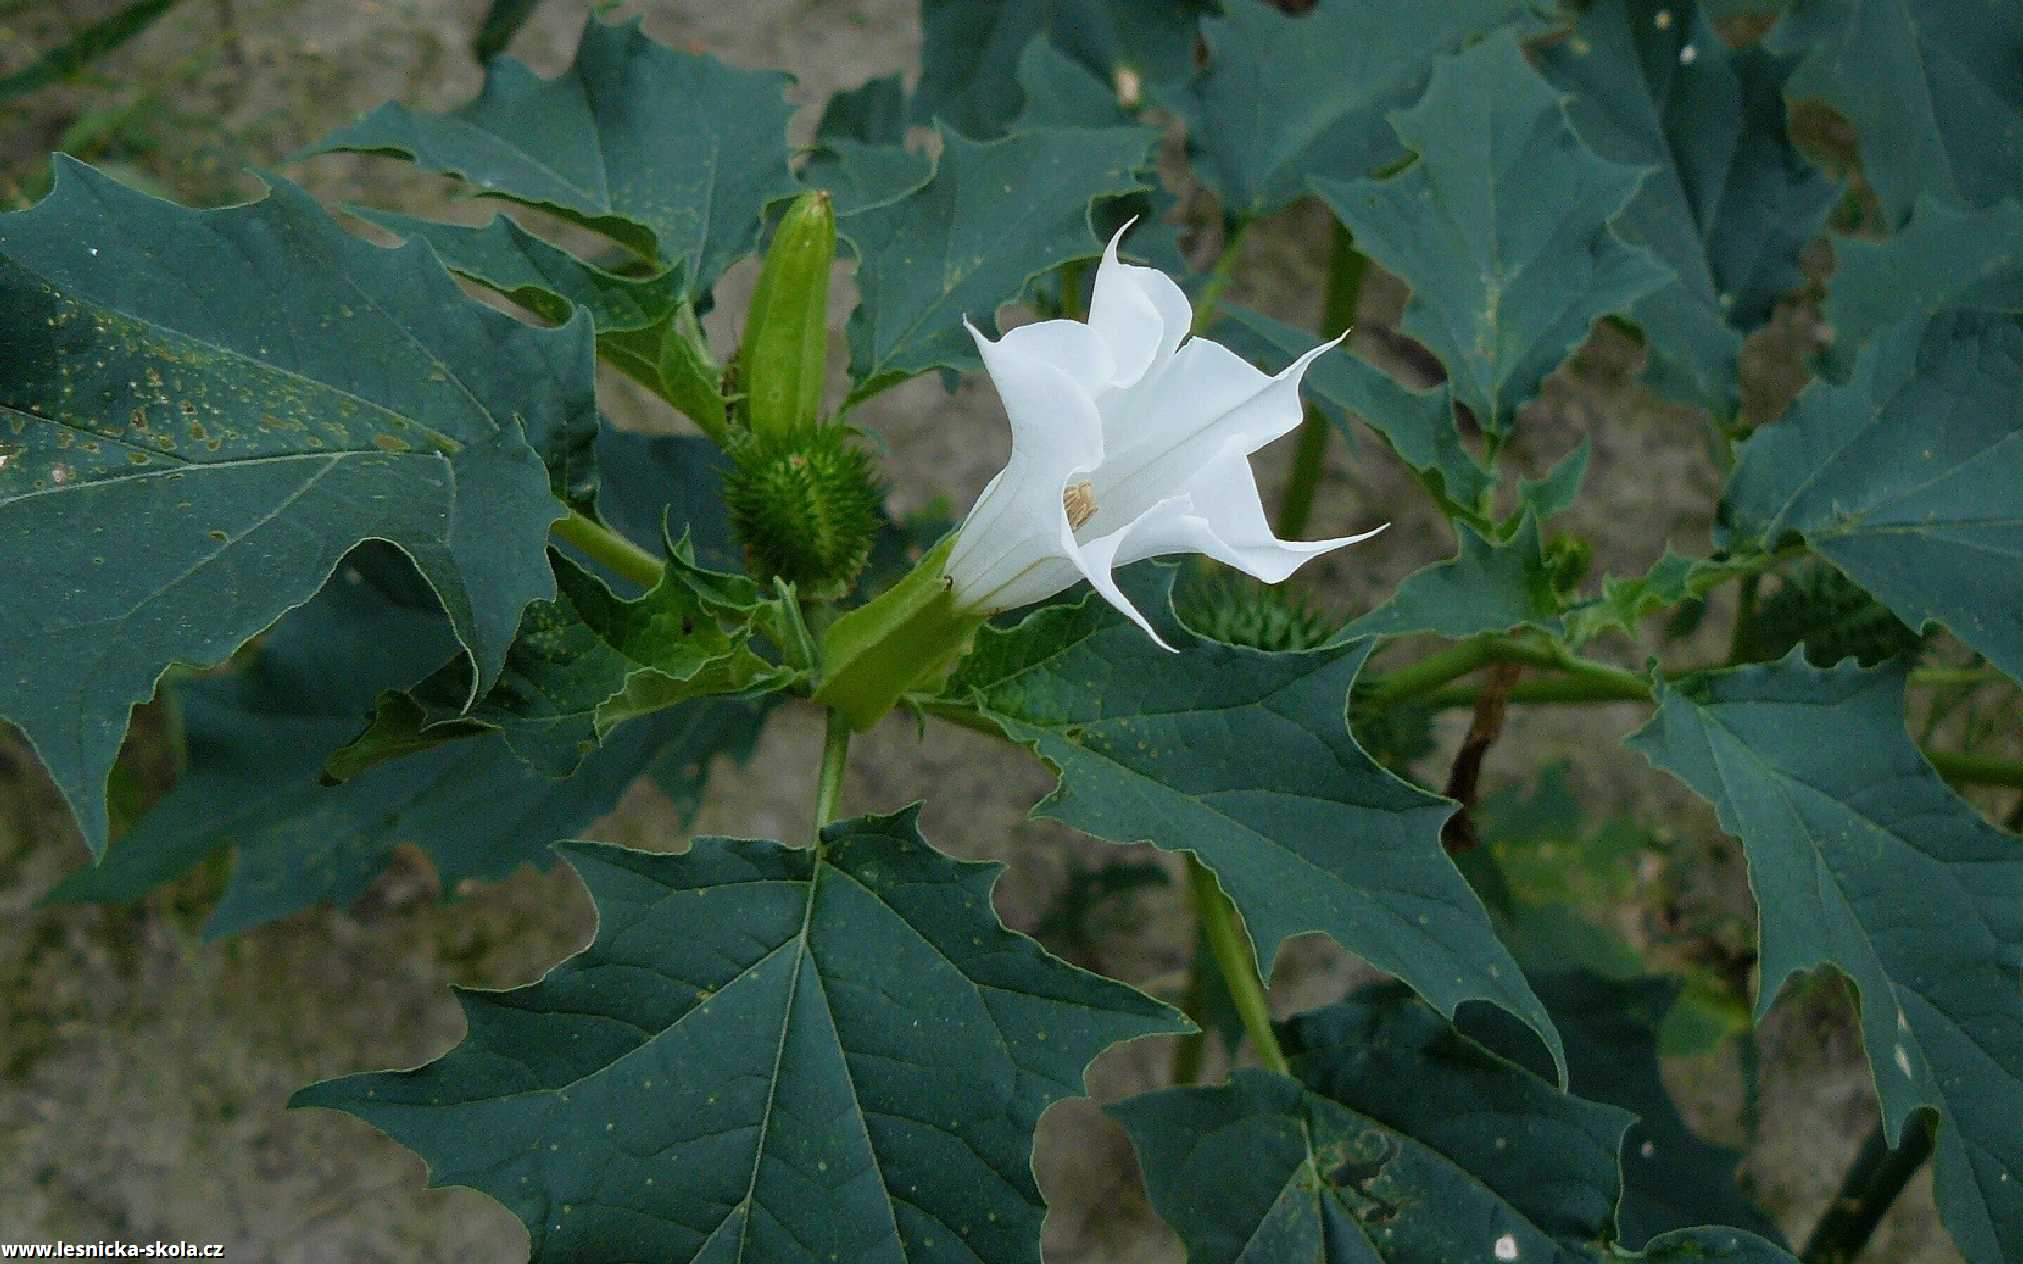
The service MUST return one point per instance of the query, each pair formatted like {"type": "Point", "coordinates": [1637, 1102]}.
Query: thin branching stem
{"type": "Point", "coordinates": [603, 545]}
{"type": "Point", "coordinates": [1231, 947]}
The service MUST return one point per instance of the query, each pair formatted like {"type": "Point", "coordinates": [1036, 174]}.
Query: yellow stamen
{"type": "Point", "coordinates": [1080, 502]}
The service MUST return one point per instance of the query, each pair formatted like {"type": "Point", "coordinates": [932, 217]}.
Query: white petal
{"type": "Point", "coordinates": [1221, 515]}
{"type": "Point", "coordinates": [1140, 314]}
{"type": "Point", "coordinates": [1068, 345]}
{"type": "Point", "coordinates": [1160, 433]}
{"type": "Point", "coordinates": [1098, 560]}
{"type": "Point", "coordinates": [1019, 521]}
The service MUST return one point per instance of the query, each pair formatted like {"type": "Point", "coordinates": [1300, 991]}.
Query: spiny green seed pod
{"type": "Point", "coordinates": [805, 509]}
{"type": "Point", "coordinates": [1833, 617]}
{"type": "Point", "coordinates": [1240, 611]}
{"type": "Point", "coordinates": [690, 376]}
{"type": "Point", "coordinates": [786, 345]}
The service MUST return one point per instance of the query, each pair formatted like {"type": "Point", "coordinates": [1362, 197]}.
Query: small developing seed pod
{"type": "Point", "coordinates": [786, 344]}
{"type": "Point", "coordinates": [805, 509]}
{"type": "Point", "coordinates": [1241, 611]}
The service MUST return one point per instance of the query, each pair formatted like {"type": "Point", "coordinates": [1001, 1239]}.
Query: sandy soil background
{"type": "Point", "coordinates": [143, 1074]}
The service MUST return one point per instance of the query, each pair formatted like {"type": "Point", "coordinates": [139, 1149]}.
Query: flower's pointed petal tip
{"type": "Point", "coordinates": [1297, 369]}
{"type": "Point", "coordinates": [1136, 616]}
{"type": "Point", "coordinates": [974, 332]}
{"type": "Point", "coordinates": [1314, 548]}
{"type": "Point", "coordinates": [1145, 624]}
{"type": "Point", "coordinates": [1110, 251]}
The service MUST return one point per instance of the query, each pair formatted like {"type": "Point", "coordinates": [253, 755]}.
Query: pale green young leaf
{"type": "Point", "coordinates": [993, 217]}
{"type": "Point", "coordinates": [1484, 587]}
{"type": "Point", "coordinates": [775, 1054]}
{"type": "Point", "coordinates": [202, 412]}
{"type": "Point", "coordinates": [1399, 1140]}
{"type": "Point", "coordinates": [582, 664]}
{"type": "Point", "coordinates": [1905, 477]}
{"type": "Point", "coordinates": [1163, 748]}
{"type": "Point", "coordinates": [1285, 98]}
{"type": "Point", "coordinates": [672, 153]}
{"type": "Point", "coordinates": [1502, 228]}
{"type": "Point", "coordinates": [1930, 86]}
{"type": "Point", "coordinates": [1557, 491]}
{"type": "Point", "coordinates": [1862, 859]}
{"type": "Point", "coordinates": [1626, 601]}
{"type": "Point", "coordinates": [1730, 202]}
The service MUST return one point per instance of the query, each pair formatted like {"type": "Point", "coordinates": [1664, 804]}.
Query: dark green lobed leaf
{"type": "Point", "coordinates": [1501, 228]}
{"type": "Point", "coordinates": [1862, 859]}
{"type": "Point", "coordinates": [1483, 588]}
{"type": "Point", "coordinates": [1930, 86]}
{"type": "Point", "coordinates": [873, 112]}
{"type": "Point", "coordinates": [1400, 1140]}
{"type": "Point", "coordinates": [993, 217]}
{"type": "Point", "coordinates": [969, 77]}
{"type": "Point", "coordinates": [1419, 425]}
{"type": "Point", "coordinates": [666, 483]}
{"type": "Point", "coordinates": [1560, 488]}
{"type": "Point", "coordinates": [206, 456]}
{"type": "Point", "coordinates": [1730, 203]}
{"type": "Point", "coordinates": [1906, 477]}
{"type": "Point", "coordinates": [1155, 747]}
{"type": "Point", "coordinates": [544, 279]}
{"type": "Point", "coordinates": [258, 737]}
{"type": "Point", "coordinates": [1671, 1178]}
{"type": "Point", "coordinates": [672, 153]}
{"type": "Point", "coordinates": [1286, 98]}
{"type": "Point", "coordinates": [1943, 258]}
{"type": "Point", "coordinates": [767, 1053]}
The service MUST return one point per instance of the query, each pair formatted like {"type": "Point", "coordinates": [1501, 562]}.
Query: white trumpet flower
{"type": "Point", "coordinates": [1129, 440]}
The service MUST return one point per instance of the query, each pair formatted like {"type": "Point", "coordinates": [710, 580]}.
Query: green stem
{"type": "Point", "coordinates": [1218, 277]}
{"type": "Point", "coordinates": [605, 546]}
{"type": "Point", "coordinates": [1074, 277]}
{"type": "Point", "coordinates": [960, 714]}
{"type": "Point", "coordinates": [1346, 268]}
{"type": "Point", "coordinates": [829, 782]}
{"type": "Point", "coordinates": [1426, 675]}
{"type": "Point", "coordinates": [1873, 1182]}
{"type": "Point", "coordinates": [1309, 459]}
{"type": "Point", "coordinates": [1745, 615]}
{"type": "Point", "coordinates": [1239, 966]}
{"type": "Point", "coordinates": [1964, 769]}
{"type": "Point", "coordinates": [1951, 677]}
{"type": "Point", "coordinates": [1192, 1048]}
{"type": "Point", "coordinates": [1562, 690]}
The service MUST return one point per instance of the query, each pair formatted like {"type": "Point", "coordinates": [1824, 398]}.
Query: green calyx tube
{"type": "Point", "coordinates": [905, 639]}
